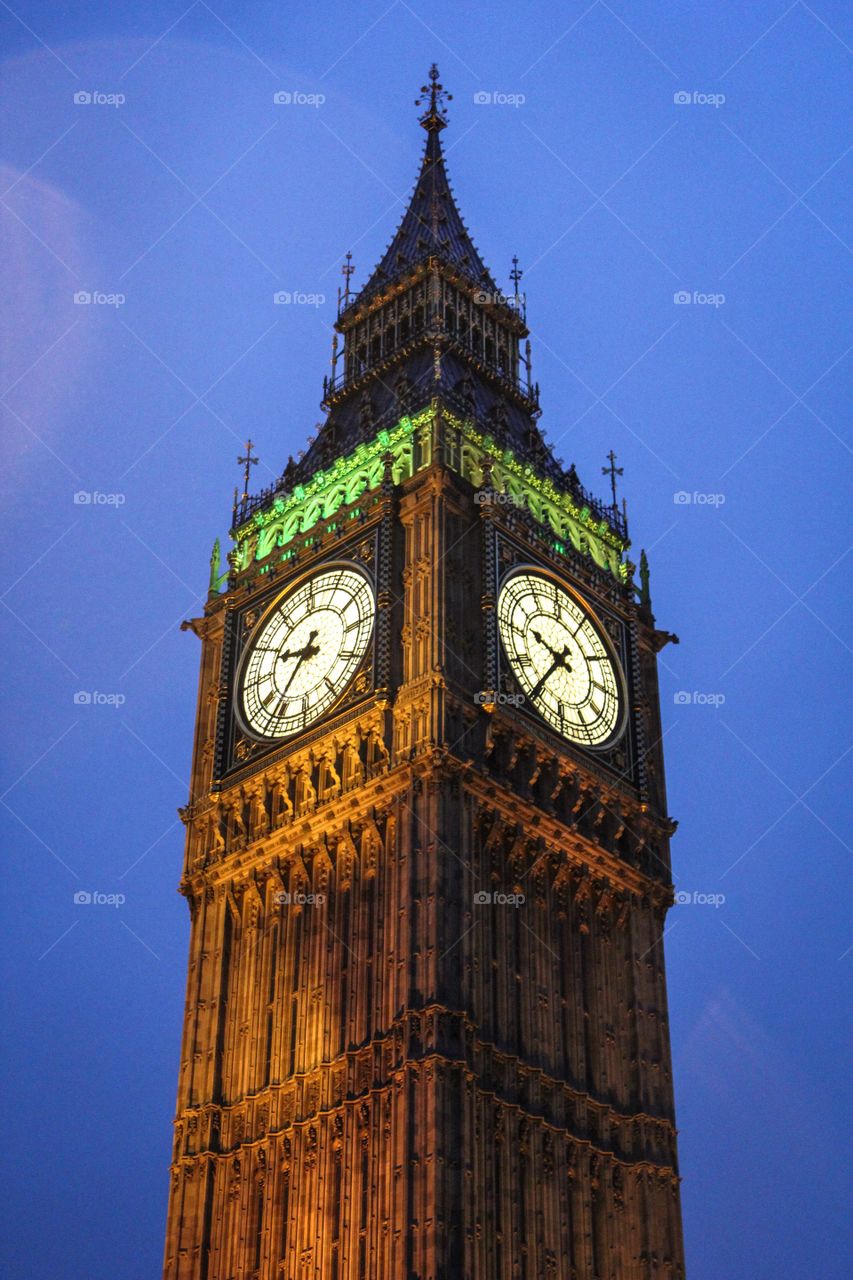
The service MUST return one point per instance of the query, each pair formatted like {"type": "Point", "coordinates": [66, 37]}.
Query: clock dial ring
{"type": "Point", "coordinates": [562, 658]}
{"type": "Point", "coordinates": [305, 652]}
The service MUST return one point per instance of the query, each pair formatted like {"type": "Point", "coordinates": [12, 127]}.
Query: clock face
{"type": "Point", "coordinates": [561, 660]}
{"type": "Point", "coordinates": [307, 651]}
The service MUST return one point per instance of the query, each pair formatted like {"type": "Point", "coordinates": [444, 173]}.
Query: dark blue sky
{"type": "Point", "coordinates": [195, 199]}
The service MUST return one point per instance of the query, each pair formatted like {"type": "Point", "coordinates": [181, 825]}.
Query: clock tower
{"type": "Point", "coordinates": [427, 853]}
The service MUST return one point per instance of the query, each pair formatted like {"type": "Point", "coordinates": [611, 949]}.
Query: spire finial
{"type": "Point", "coordinates": [344, 294]}
{"type": "Point", "coordinates": [433, 96]}
{"type": "Point", "coordinates": [516, 273]}
{"type": "Point", "coordinates": [215, 562]}
{"type": "Point", "coordinates": [519, 299]}
{"type": "Point", "coordinates": [645, 595]}
{"type": "Point", "coordinates": [613, 471]}
{"type": "Point", "coordinates": [249, 462]}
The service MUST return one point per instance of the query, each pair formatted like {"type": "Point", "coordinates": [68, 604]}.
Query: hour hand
{"type": "Point", "coordinates": [310, 651]}
{"type": "Point", "coordinates": [540, 639]}
{"type": "Point", "coordinates": [559, 658]}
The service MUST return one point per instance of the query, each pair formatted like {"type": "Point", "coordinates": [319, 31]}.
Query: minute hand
{"type": "Point", "coordinates": [310, 651]}
{"type": "Point", "coordinates": [558, 662]}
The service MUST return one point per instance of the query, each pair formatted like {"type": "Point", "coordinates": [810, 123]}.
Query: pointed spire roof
{"type": "Point", "coordinates": [432, 225]}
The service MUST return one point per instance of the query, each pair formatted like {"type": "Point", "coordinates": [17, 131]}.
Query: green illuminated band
{"type": "Point", "coordinates": [412, 444]}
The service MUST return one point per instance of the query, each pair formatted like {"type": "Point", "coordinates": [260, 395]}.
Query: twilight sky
{"type": "Point", "coordinates": [628, 154]}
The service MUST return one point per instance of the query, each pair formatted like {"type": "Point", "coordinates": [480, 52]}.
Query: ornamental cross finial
{"type": "Point", "coordinates": [346, 271]}
{"type": "Point", "coordinates": [516, 274]}
{"type": "Point", "coordinates": [433, 96]}
{"type": "Point", "coordinates": [519, 301]}
{"type": "Point", "coordinates": [613, 471]}
{"type": "Point", "coordinates": [248, 461]}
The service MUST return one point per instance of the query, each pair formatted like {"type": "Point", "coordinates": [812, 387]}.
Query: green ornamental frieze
{"type": "Point", "coordinates": [412, 444]}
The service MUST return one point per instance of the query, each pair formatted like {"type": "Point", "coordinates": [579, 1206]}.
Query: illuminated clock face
{"type": "Point", "coordinates": [306, 653]}
{"type": "Point", "coordinates": [561, 660]}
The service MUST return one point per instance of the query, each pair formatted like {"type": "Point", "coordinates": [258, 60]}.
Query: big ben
{"type": "Point", "coordinates": [427, 850]}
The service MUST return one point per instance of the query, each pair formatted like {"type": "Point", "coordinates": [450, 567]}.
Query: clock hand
{"type": "Point", "coordinates": [560, 659]}
{"type": "Point", "coordinates": [297, 653]}
{"type": "Point", "coordinates": [310, 651]}
{"type": "Point", "coordinates": [534, 692]}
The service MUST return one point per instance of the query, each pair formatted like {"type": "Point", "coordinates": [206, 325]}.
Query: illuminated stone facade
{"type": "Point", "coordinates": [426, 1030]}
